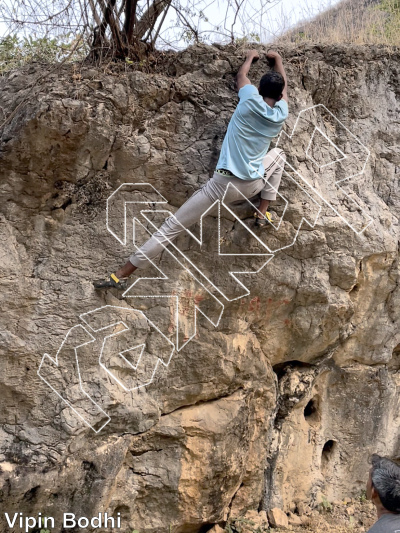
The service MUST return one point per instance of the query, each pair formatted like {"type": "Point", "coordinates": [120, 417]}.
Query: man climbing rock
{"type": "Point", "coordinates": [383, 489]}
{"type": "Point", "coordinates": [243, 162]}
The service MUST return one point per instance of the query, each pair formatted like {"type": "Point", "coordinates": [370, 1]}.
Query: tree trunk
{"type": "Point", "coordinates": [130, 20]}
{"type": "Point", "coordinates": [126, 40]}
{"type": "Point", "coordinates": [109, 19]}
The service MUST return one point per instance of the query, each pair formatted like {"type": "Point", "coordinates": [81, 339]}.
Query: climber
{"type": "Point", "coordinates": [383, 489]}
{"type": "Point", "coordinates": [243, 161]}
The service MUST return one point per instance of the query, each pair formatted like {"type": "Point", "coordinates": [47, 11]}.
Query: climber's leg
{"type": "Point", "coordinates": [187, 215]}
{"type": "Point", "coordinates": [190, 213]}
{"type": "Point", "coordinates": [273, 164]}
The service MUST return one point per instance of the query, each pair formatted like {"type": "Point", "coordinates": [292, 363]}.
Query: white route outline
{"type": "Point", "coordinates": [332, 143]}
{"type": "Point", "coordinates": [347, 178]}
{"type": "Point", "coordinates": [163, 201]}
{"type": "Point", "coordinates": [303, 219]}
{"type": "Point", "coordinates": [80, 326]}
{"type": "Point", "coordinates": [55, 362]}
{"type": "Point", "coordinates": [269, 253]}
{"type": "Point", "coordinates": [200, 241]}
{"type": "Point", "coordinates": [118, 322]}
{"type": "Point", "coordinates": [176, 297]}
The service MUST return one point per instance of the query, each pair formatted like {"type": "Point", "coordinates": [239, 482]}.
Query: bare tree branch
{"type": "Point", "coordinates": [149, 18]}
{"type": "Point", "coordinates": [238, 6]}
{"type": "Point", "coordinates": [109, 19]}
{"type": "Point", "coordinates": [160, 25]}
{"type": "Point", "coordinates": [94, 13]}
{"type": "Point", "coordinates": [128, 29]}
{"type": "Point", "coordinates": [187, 23]}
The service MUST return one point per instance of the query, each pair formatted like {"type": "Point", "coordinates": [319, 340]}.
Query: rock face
{"type": "Point", "coordinates": [278, 518]}
{"type": "Point", "coordinates": [277, 395]}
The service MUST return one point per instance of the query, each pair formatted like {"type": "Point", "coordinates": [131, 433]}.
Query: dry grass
{"type": "Point", "coordinates": [351, 21]}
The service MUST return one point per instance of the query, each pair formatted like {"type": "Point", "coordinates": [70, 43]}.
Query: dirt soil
{"type": "Point", "coordinates": [340, 517]}
{"type": "Point", "coordinates": [350, 515]}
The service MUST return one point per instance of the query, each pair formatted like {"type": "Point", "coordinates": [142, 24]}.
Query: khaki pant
{"type": "Point", "coordinates": [202, 199]}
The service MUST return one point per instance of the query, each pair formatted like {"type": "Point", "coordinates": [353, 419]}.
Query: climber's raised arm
{"type": "Point", "coordinates": [241, 76]}
{"type": "Point", "coordinates": [277, 65]}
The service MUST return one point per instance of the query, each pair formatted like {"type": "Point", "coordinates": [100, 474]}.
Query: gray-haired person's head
{"type": "Point", "coordinates": [385, 476]}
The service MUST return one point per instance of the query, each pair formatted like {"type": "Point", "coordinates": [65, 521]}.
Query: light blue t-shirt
{"type": "Point", "coordinates": [250, 131]}
{"type": "Point", "coordinates": [387, 523]}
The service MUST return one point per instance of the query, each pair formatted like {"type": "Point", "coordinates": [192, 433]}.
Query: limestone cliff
{"type": "Point", "coordinates": [283, 399]}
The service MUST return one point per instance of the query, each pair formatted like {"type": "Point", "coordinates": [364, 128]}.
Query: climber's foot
{"type": "Point", "coordinates": [111, 283]}
{"type": "Point", "coordinates": [264, 221]}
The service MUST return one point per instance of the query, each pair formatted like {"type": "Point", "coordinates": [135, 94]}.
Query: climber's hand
{"type": "Point", "coordinates": [272, 54]}
{"type": "Point", "coordinates": [253, 55]}
{"type": "Point", "coordinates": [276, 62]}
{"type": "Point", "coordinates": [241, 76]}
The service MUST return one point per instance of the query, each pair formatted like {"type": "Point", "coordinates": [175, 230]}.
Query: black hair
{"type": "Point", "coordinates": [385, 476]}
{"type": "Point", "coordinates": [271, 85]}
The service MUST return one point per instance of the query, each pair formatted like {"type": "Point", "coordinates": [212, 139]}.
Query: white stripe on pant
{"type": "Point", "coordinates": [202, 199]}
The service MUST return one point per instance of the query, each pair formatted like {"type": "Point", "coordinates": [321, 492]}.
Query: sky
{"type": "Point", "coordinates": [265, 18]}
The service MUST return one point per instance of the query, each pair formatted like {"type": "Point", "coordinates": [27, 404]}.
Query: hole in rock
{"type": "Point", "coordinates": [354, 289]}
{"type": "Point", "coordinates": [172, 70]}
{"type": "Point", "coordinates": [31, 494]}
{"type": "Point", "coordinates": [280, 369]}
{"type": "Point", "coordinates": [206, 527]}
{"type": "Point", "coordinates": [328, 452]}
{"type": "Point", "coordinates": [124, 512]}
{"type": "Point", "coordinates": [312, 410]}
{"type": "Point", "coordinates": [90, 468]}
{"type": "Point", "coordinates": [394, 363]}
{"type": "Point", "coordinates": [66, 203]}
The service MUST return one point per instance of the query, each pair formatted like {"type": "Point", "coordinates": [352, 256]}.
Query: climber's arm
{"type": "Point", "coordinates": [241, 76]}
{"type": "Point", "coordinates": [278, 67]}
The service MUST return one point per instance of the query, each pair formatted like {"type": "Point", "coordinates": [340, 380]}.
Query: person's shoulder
{"type": "Point", "coordinates": [248, 91]}
{"type": "Point", "coordinates": [385, 521]}
{"type": "Point", "coordinates": [375, 528]}
{"type": "Point", "coordinates": [282, 104]}
{"type": "Point", "coordinates": [280, 111]}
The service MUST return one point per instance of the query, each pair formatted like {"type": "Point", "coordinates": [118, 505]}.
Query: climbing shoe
{"type": "Point", "coordinates": [111, 283]}
{"type": "Point", "coordinates": [262, 222]}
